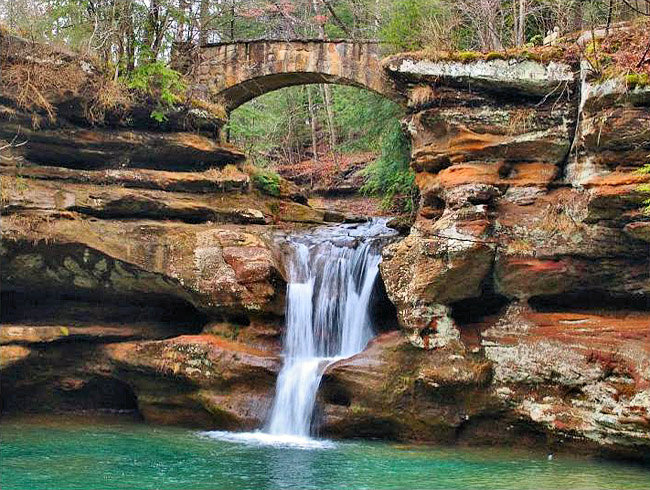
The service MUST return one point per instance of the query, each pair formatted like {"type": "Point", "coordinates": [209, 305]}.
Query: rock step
{"type": "Point", "coordinates": [29, 196]}
{"type": "Point", "coordinates": [229, 179]}
{"type": "Point", "coordinates": [93, 149]}
{"type": "Point", "coordinates": [113, 202]}
{"type": "Point", "coordinates": [38, 334]}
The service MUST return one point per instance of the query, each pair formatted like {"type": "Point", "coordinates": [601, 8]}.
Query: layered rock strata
{"type": "Point", "coordinates": [528, 262]}
{"type": "Point", "coordinates": [138, 270]}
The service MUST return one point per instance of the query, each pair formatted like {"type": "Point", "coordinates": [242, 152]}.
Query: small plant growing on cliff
{"type": "Point", "coordinates": [633, 80]}
{"type": "Point", "coordinates": [495, 55]}
{"type": "Point", "coordinates": [467, 56]}
{"type": "Point", "coordinates": [267, 182]}
{"type": "Point", "coordinates": [162, 83]}
{"type": "Point", "coordinates": [645, 189]}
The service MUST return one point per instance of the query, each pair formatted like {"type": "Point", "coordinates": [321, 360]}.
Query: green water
{"type": "Point", "coordinates": [68, 454]}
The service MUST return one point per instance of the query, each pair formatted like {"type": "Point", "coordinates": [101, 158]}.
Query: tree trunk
{"type": "Point", "coordinates": [577, 15]}
{"type": "Point", "coordinates": [327, 97]}
{"type": "Point", "coordinates": [312, 121]}
{"type": "Point", "coordinates": [232, 20]}
{"type": "Point", "coordinates": [515, 27]}
{"type": "Point", "coordinates": [204, 17]}
{"type": "Point", "coordinates": [521, 24]}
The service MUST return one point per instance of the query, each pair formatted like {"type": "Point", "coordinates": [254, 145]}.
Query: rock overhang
{"type": "Point", "coordinates": [527, 78]}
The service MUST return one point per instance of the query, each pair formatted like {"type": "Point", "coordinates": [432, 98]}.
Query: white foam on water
{"type": "Point", "coordinates": [259, 438]}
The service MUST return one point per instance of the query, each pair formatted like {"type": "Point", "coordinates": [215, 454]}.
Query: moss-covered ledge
{"type": "Point", "coordinates": [515, 75]}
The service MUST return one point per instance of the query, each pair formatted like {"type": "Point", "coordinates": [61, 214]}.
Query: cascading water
{"type": "Point", "coordinates": [332, 273]}
{"type": "Point", "coordinates": [331, 277]}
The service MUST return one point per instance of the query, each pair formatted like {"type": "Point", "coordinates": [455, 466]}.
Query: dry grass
{"type": "Point", "coordinates": [10, 186]}
{"type": "Point", "coordinates": [39, 77]}
{"type": "Point", "coordinates": [33, 84]}
{"type": "Point", "coordinates": [520, 120]}
{"type": "Point", "coordinates": [624, 52]}
{"type": "Point", "coordinates": [422, 95]}
{"type": "Point", "coordinates": [107, 95]}
{"type": "Point", "coordinates": [35, 227]}
{"type": "Point", "coordinates": [216, 110]}
{"type": "Point", "coordinates": [230, 171]}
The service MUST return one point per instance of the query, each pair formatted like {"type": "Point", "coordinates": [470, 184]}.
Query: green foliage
{"type": "Point", "coordinates": [276, 127]}
{"type": "Point", "coordinates": [362, 118]}
{"type": "Point", "coordinates": [276, 123]}
{"type": "Point", "coordinates": [271, 125]}
{"type": "Point", "coordinates": [391, 176]}
{"type": "Point", "coordinates": [159, 81]}
{"type": "Point", "coordinates": [407, 23]}
{"type": "Point", "coordinates": [267, 182]}
{"type": "Point", "coordinates": [645, 188]}
{"type": "Point", "coordinates": [637, 80]}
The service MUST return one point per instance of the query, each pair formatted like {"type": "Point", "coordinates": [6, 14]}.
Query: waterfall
{"type": "Point", "coordinates": [332, 273]}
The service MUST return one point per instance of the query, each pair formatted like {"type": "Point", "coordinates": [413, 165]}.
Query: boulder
{"type": "Point", "coordinates": [435, 265]}
{"type": "Point", "coordinates": [200, 380]}
{"type": "Point", "coordinates": [395, 390]}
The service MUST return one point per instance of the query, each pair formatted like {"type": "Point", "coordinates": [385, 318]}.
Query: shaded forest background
{"type": "Point", "coordinates": [315, 127]}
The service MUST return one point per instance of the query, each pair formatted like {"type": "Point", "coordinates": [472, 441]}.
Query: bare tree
{"type": "Point", "coordinates": [486, 17]}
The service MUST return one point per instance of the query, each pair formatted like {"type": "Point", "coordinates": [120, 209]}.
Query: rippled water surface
{"type": "Point", "coordinates": [105, 454]}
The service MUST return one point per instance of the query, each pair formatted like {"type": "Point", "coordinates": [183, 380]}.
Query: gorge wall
{"type": "Point", "coordinates": [139, 268]}
{"type": "Point", "coordinates": [137, 262]}
{"type": "Point", "coordinates": [527, 270]}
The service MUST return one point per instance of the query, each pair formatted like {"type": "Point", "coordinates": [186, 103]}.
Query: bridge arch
{"type": "Point", "coordinates": [234, 73]}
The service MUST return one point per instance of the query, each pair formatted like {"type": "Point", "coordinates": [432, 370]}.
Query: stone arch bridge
{"type": "Point", "coordinates": [234, 73]}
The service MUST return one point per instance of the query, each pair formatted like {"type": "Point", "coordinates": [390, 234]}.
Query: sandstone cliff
{"type": "Point", "coordinates": [527, 271]}
{"type": "Point", "coordinates": [124, 239]}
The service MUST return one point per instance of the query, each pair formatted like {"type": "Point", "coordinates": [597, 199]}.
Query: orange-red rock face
{"type": "Point", "coordinates": [533, 255]}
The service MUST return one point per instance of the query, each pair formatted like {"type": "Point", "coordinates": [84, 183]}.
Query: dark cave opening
{"type": "Point", "coordinates": [592, 299]}
{"type": "Point", "coordinates": [383, 313]}
{"type": "Point", "coordinates": [47, 308]}
{"type": "Point", "coordinates": [67, 394]}
{"type": "Point", "coordinates": [474, 310]}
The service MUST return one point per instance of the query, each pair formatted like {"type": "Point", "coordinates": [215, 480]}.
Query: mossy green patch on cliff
{"type": "Point", "coordinates": [494, 55]}
{"type": "Point", "coordinates": [645, 189]}
{"type": "Point", "coordinates": [634, 80]}
{"type": "Point", "coordinates": [541, 54]}
{"type": "Point", "coordinates": [266, 181]}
